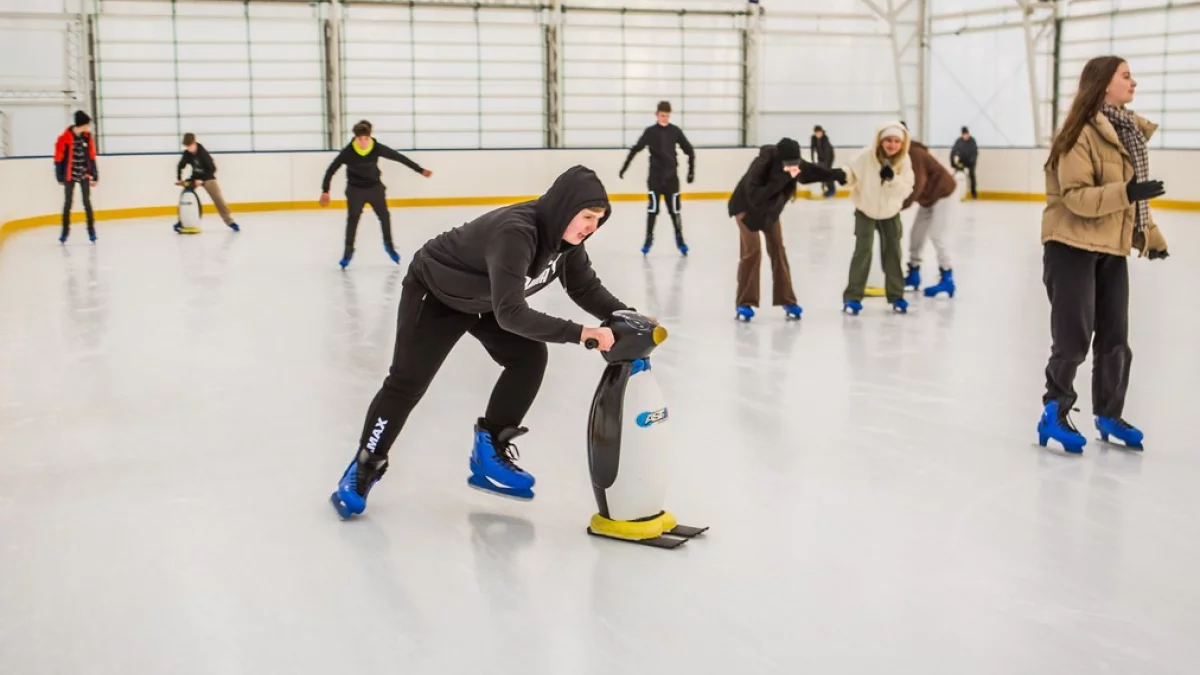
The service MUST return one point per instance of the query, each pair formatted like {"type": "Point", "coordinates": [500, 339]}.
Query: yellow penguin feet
{"type": "Point", "coordinates": [661, 531]}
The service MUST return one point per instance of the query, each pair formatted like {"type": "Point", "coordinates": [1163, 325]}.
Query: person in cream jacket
{"type": "Point", "coordinates": [880, 178]}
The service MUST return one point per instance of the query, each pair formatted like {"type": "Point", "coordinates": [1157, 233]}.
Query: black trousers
{"type": "Point", "coordinates": [85, 189]}
{"type": "Point", "coordinates": [1089, 303]}
{"type": "Point", "coordinates": [673, 206]}
{"type": "Point", "coordinates": [426, 331]}
{"type": "Point", "coordinates": [356, 198]}
{"type": "Point", "coordinates": [971, 176]}
{"type": "Point", "coordinates": [829, 187]}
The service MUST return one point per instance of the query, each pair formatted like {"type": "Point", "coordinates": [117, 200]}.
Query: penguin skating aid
{"type": "Point", "coordinates": [629, 437]}
{"type": "Point", "coordinates": [189, 211]}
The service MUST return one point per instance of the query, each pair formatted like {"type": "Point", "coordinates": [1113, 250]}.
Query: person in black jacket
{"type": "Point", "coordinates": [204, 173]}
{"type": "Point", "coordinates": [363, 186]}
{"type": "Point", "coordinates": [757, 203]}
{"type": "Point", "coordinates": [475, 279]}
{"type": "Point", "coordinates": [663, 179]}
{"type": "Point", "coordinates": [822, 155]}
{"type": "Point", "coordinates": [963, 156]}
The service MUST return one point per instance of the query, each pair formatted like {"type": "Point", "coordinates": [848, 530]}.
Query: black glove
{"type": "Point", "coordinates": [886, 172]}
{"type": "Point", "coordinates": [839, 176]}
{"type": "Point", "coordinates": [691, 175]}
{"type": "Point", "coordinates": [1137, 192]}
{"type": "Point", "coordinates": [1158, 255]}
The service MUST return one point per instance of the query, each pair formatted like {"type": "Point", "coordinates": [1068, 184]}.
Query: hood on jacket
{"type": "Point", "coordinates": [574, 190]}
{"type": "Point", "coordinates": [904, 135]}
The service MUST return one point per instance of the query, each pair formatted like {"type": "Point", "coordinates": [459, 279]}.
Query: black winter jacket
{"type": "Point", "coordinates": [494, 262]}
{"type": "Point", "coordinates": [203, 166]}
{"type": "Point", "coordinates": [362, 171]}
{"type": "Point", "coordinates": [766, 188]}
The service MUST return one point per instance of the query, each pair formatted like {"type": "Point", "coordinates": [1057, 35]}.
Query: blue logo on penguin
{"type": "Point", "coordinates": [647, 419]}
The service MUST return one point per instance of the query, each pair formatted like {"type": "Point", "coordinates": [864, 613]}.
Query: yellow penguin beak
{"type": "Point", "coordinates": [659, 335]}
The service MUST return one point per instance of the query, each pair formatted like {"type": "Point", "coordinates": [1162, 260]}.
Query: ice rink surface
{"type": "Point", "coordinates": [174, 412]}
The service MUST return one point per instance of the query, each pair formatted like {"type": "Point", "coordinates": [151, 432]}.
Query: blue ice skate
{"type": "Point", "coordinates": [683, 249]}
{"type": "Point", "coordinates": [913, 280]}
{"type": "Point", "coordinates": [493, 469]}
{"type": "Point", "coordinates": [900, 306]}
{"type": "Point", "coordinates": [1125, 432]}
{"type": "Point", "coordinates": [92, 236]}
{"type": "Point", "coordinates": [1056, 424]}
{"type": "Point", "coordinates": [391, 251]}
{"type": "Point", "coordinates": [235, 227]}
{"type": "Point", "coordinates": [945, 285]}
{"type": "Point", "coordinates": [792, 311]}
{"type": "Point", "coordinates": [745, 313]}
{"type": "Point", "coordinates": [646, 248]}
{"type": "Point", "coordinates": [345, 261]}
{"type": "Point", "coordinates": [852, 307]}
{"type": "Point", "coordinates": [365, 470]}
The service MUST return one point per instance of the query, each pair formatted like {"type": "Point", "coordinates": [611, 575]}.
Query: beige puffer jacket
{"type": "Point", "coordinates": [1086, 204]}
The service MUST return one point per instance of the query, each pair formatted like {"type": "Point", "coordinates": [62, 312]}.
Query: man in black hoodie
{"type": "Point", "coordinates": [475, 279]}
{"type": "Point", "coordinates": [822, 155]}
{"type": "Point", "coordinates": [204, 173]}
{"type": "Point", "coordinates": [363, 186]}
{"type": "Point", "coordinates": [963, 156]}
{"type": "Point", "coordinates": [663, 179]}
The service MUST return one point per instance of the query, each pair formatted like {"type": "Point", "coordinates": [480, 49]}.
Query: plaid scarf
{"type": "Point", "coordinates": [1125, 122]}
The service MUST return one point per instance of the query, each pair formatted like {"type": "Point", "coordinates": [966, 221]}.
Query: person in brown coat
{"type": "Point", "coordinates": [1098, 189]}
{"type": "Point", "coordinates": [933, 184]}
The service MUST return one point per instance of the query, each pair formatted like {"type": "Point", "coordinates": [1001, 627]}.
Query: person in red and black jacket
{"type": "Point", "coordinates": [75, 162]}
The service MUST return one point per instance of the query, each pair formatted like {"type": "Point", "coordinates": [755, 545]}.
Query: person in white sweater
{"type": "Point", "coordinates": [880, 178]}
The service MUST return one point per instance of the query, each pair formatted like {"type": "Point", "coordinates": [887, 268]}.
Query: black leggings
{"type": "Point", "coordinates": [673, 205]}
{"type": "Point", "coordinates": [426, 331]}
{"type": "Point", "coordinates": [356, 198]}
{"type": "Point", "coordinates": [1089, 303]}
{"type": "Point", "coordinates": [85, 189]}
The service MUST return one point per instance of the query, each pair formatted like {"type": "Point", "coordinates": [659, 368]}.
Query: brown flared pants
{"type": "Point", "coordinates": [751, 262]}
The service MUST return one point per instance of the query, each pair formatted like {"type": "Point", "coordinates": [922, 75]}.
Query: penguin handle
{"type": "Point", "coordinates": [591, 343]}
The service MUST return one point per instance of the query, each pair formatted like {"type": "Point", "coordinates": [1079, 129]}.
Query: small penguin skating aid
{"type": "Point", "coordinates": [629, 440]}
{"type": "Point", "coordinates": [189, 211]}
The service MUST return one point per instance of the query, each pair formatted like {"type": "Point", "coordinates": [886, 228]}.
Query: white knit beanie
{"type": "Point", "coordinates": [892, 130]}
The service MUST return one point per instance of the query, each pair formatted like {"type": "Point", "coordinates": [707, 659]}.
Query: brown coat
{"type": "Point", "coordinates": [933, 181]}
{"type": "Point", "coordinates": [1086, 204]}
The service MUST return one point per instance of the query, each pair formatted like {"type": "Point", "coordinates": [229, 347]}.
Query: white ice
{"type": "Point", "coordinates": [174, 412]}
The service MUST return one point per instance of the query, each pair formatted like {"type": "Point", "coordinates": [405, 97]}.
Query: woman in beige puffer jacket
{"type": "Point", "coordinates": [1097, 192]}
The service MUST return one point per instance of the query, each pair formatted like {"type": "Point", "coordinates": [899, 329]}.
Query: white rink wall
{"type": "Point", "coordinates": [28, 188]}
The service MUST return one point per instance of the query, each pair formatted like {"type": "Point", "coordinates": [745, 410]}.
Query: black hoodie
{"type": "Point", "coordinates": [766, 188]}
{"type": "Point", "coordinates": [494, 262]}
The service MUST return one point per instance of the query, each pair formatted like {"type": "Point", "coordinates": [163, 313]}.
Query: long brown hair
{"type": "Point", "coordinates": [1089, 98]}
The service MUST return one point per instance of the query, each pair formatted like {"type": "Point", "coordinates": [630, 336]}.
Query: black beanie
{"type": "Point", "coordinates": [81, 118]}
{"type": "Point", "coordinates": [787, 150]}
{"type": "Point", "coordinates": [965, 130]}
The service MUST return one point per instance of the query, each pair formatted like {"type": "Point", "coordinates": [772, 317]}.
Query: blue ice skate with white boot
{"type": "Point", "coordinates": [1056, 424]}
{"type": "Point", "coordinates": [1125, 432]}
{"type": "Point", "coordinates": [365, 470]}
{"type": "Point", "coordinates": [945, 285]}
{"type": "Point", "coordinates": [492, 464]}
{"type": "Point", "coordinates": [912, 282]}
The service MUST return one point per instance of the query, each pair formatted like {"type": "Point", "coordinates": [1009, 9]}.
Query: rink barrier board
{"type": "Point", "coordinates": [309, 205]}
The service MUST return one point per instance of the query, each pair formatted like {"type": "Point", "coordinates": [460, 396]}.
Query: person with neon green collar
{"type": "Point", "coordinates": [363, 185]}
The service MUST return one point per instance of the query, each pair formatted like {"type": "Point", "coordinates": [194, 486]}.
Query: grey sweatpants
{"type": "Point", "coordinates": [931, 223]}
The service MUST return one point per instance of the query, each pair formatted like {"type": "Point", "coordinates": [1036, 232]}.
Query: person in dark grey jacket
{"type": "Point", "coordinates": [963, 156]}
{"type": "Point", "coordinates": [475, 279]}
